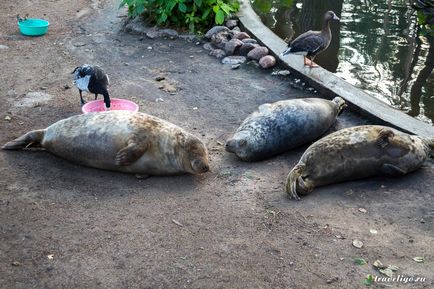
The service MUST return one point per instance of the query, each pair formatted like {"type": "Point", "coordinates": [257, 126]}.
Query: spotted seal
{"type": "Point", "coordinates": [355, 153]}
{"type": "Point", "coordinates": [121, 141]}
{"type": "Point", "coordinates": [278, 127]}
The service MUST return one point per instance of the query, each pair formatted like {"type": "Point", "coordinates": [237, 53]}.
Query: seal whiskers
{"type": "Point", "coordinates": [29, 139]}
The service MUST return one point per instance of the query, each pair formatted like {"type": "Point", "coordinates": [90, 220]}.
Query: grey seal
{"type": "Point", "coordinates": [130, 142]}
{"type": "Point", "coordinates": [277, 127]}
{"type": "Point", "coordinates": [355, 153]}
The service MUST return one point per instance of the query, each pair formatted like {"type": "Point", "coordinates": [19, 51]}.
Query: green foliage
{"type": "Point", "coordinates": [423, 19]}
{"type": "Point", "coordinates": [194, 14]}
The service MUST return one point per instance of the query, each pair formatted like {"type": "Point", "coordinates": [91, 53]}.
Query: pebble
{"type": "Point", "coordinates": [246, 48]}
{"type": "Point", "coordinates": [43, 88]}
{"type": "Point", "coordinates": [257, 53]}
{"type": "Point", "coordinates": [208, 46]}
{"type": "Point", "coordinates": [79, 44]}
{"type": "Point", "coordinates": [171, 33]}
{"type": "Point", "coordinates": [220, 39]}
{"type": "Point", "coordinates": [232, 45]}
{"type": "Point", "coordinates": [282, 72]}
{"type": "Point", "coordinates": [250, 40]}
{"type": "Point", "coordinates": [149, 47]}
{"type": "Point", "coordinates": [231, 23]}
{"type": "Point", "coordinates": [219, 53]}
{"type": "Point", "coordinates": [267, 61]}
{"type": "Point", "coordinates": [214, 30]}
{"type": "Point", "coordinates": [236, 29]}
{"type": "Point", "coordinates": [160, 78]}
{"type": "Point", "coordinates": [235, 66]}
{"type": "Point", "coordinates": [242, 35]}
{"type": "Point", "coordinates": [234, 60]}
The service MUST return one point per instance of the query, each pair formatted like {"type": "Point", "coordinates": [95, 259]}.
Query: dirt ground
{"type": "Point", "coordinates": [66, 226]}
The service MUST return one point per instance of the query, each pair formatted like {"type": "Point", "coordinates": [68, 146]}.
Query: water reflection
{"type": "Point", "coordinates": [375, 46]}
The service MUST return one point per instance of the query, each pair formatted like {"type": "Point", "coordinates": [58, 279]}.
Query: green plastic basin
{"type": "Point", "coordinates": [33, 27]}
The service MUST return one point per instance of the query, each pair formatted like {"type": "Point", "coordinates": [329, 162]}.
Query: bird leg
{"type": "Point", "coordinates": [310, 62]}
{"type": "Point", "coordinates": [81, 98]}
{"type": "Point", "coordinates": [96, 96]}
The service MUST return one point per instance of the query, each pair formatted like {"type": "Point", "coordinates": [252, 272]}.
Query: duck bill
{"type": "Point", "coordinates": [286, 51]}
{"type": "Point", "coordinates": [336, 18]}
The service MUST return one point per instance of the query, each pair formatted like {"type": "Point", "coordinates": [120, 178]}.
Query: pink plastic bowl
{"type": "Point", "coordinates": [115, 104]}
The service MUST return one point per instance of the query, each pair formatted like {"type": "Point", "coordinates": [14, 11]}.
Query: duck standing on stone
{"type": "Point", "coordinates": [92, 79]}
{"type": "Point", "coordinates": [311, 43]}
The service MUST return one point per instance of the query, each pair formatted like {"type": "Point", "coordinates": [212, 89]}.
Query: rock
{"type": "Point", "coordinates": [253, 63]}
{"type": "Point", "coordinates": [245, 49]}
{"type": "Point", "coordinates": [282, 72]}
{"type": "Point", "coordinates": [232, 45]}
{"type": "Point", "coordinates": [160, 78]}
{"type": "Point", "coordinates": [221, 38]}
{"type": "Point", "coordinates": [153, 33]}
{"type": "Point", "coordinates": [79, 44]}
{"type": "Point", "coordinates": [242, 35]}
{"type": "Point", "coordinates": [250, 40]}
{"type": "Point", "coordinates": [215, 30]}
{"type": "Point", "coordinates": [231, 23]}
{"type": "Point", "coordinates": [257, 53]}
{"type": "Point", "coordinates": [236, 29]}
{"type": "Point", "coordinates": [234, 60]}
{"type": "Point", "coordinates": [209, 46]}
{"type": "Point", "coordinates": [171, 33]}
{"type": "Point", "coordinates": [267, 61]}
{"type": "Point", "coordinates": [235, 66]}
{"type": "Point", "coordinates": [219, 53]}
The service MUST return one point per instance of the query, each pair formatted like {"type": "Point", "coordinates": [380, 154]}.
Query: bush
{"type": "Point", "coordinates": [194, 14]}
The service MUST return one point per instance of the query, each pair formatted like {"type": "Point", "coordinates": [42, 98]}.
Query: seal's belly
{"type": "Point", "coordinates": [95, 147]}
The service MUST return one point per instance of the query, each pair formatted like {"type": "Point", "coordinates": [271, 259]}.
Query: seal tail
{"type": "Point", "coordinates": [291, 181]}
{"type": "Point", "coordinates": [32, 138]}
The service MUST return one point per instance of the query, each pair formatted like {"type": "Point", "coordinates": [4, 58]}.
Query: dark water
{"type": "Point", "coordinates": [376, 46]}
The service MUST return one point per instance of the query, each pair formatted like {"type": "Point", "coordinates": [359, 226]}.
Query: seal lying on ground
{"type": "Point", "coordinates": [355, 153]}
{"type": "Point", "coordinates": [278, 127]}
{"type": "Point", "coordinates": [121, 141]}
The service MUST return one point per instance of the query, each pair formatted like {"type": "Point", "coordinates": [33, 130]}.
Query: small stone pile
{"type": "Point", "coordinates": [236, 47]}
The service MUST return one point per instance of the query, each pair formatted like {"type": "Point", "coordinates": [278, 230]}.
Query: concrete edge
{"type": "Point", "coordinates": [328, 83]}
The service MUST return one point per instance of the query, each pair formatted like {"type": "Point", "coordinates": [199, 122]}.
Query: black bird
{"type": "Point", "coordinates": [311, 43]}
{"type": "Point", "coordinates": [92, 79]}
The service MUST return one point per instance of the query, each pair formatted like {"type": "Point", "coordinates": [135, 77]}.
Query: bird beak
{"type": "Point", "coordinates": [336, 17]}
{"type": "Point", "coordinates": [285, 52]}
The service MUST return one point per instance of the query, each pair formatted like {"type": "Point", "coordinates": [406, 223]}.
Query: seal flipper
{"type": "Point", "coordinates": [32, 138]}
{"type": "Point", "coordinates": [297, 184]}
{"type": "Point", "coordinates": [384, 136]}
{"type": "Point", "coordinates": [392, 170]}
{"type": "Point", "coordinates": [130, 154]}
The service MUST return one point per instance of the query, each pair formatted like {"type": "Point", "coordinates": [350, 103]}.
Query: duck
{"type": "Point", "coordinates": [91, 78]}
{"type": "Point", "coordinates": [312, 43]}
